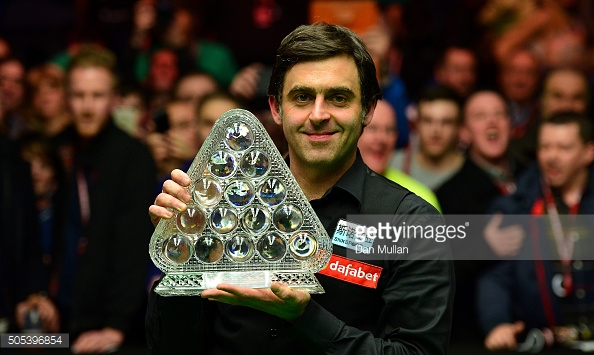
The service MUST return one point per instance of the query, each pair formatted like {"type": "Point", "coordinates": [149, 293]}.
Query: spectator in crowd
{"type": "Point", "coordinates": [377, 144]}
{"type": "Point", "coordinates": [187, 128]}
{"type": "Point", "coordinates": [180, 33]}
{"type": "Point", "coordinates": [487, 171]}
{"type": "Point", "coordinates": [457, 70]}
{"type": "Point", "coordinates": [21, 271]}
{"type": "Point", "coordinates": [12, 91]}
{"type": "Point", "coordinates": [103, 265]}
{"type": "Point", "coordinates": [323, 97]}
{"type": "Point", "coordinates": [177, 146]}
{"type": "Point", "coordinates": [163, 74]}
{"type": "Point", "coordinates": [47, 177]}
{"type": "Point", "coordinates": [379, 42]}
{"type": "Point", "coordinates": [192, 87]}
{"type": "Point", "coordinates": [130, 113]}
{"type": "Point", "coordinates": [49, 111]}
{"type": "Point", "coordinates": [539, 292]}
{"type": "Point", "coordinates": [486, 174]}
{"type": "Point", "coordinates": [437, 157]}
{"type": "Point", "coordinates": [518, 79]}
{"type": "Point", "coordinates": [564, 89]}
{"type": "Point", "coordinates": [212, 107]}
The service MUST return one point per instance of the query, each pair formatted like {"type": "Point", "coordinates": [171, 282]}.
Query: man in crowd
{"type": "Point", "coordinates": [104, 261]}
{"type": "Point", "coordinates": [456, 70]}
{"type": "Point", "coordinates": [323, 91]}
{"type": "Point", "coordinates": [377, 144]}
{"type": "Point", "coordinates": [176, 147]}
{"type": "Point", "coordinates": [12, 91]}
{"type": "Point", "coordinates": [437, 157]}
{"type": "Point", "coordinates": [486, 174]}
{"type": "Point", "coordinates": [518, 295]}
{"type": "Point", "coordinates": [518, 80]}
{"type": "Point", "coordinates": [564, 89]}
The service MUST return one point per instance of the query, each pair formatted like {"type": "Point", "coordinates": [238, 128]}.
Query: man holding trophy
{"type": "Point", "coordinates": [322, 92]}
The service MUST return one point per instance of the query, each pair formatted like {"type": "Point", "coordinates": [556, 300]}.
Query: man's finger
{"type": "Point", "coordinates": [181, 178]}
{"type": "Point", "coordinates": [495, 221]}
{"type": "Point", "coordinates": [174, 189]}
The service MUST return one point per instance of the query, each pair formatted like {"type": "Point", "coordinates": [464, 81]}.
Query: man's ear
{"type": "Point", "coordinates": [589, 156]}
{"type": "Point", "coordinates": [369, 114]}
{"type": "Point", "coordinates": [464, 136]}
{"type": "Point", "coordinates": [275, 109]}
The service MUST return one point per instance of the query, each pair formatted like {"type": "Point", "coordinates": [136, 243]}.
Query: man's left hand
{"type": "Point", "coordinates": [98, 341]}
{"type": "Point", "coordinates": [279, 300]}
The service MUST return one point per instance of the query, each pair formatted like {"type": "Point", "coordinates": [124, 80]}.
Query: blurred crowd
{"type": "Point", "coordinates": [486, 108]}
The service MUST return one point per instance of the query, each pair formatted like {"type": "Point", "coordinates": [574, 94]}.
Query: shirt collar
{"type": "Point", "coordinates": [353, 180]}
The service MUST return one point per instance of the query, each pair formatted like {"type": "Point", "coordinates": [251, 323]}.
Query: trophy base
{"type": "Point", "coordinates": [192, 284]}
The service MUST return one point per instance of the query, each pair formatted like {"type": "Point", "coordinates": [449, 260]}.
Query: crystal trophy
{"type": "Point", "coordinates": [248, 222]}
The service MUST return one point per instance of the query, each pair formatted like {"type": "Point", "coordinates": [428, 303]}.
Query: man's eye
{"type": "Point", "coordinates": [339, 99]}
{"type": "Point", "coordinates": [302, 97]}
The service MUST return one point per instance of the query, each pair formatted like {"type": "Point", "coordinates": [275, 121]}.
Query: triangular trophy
{"type": "Point", "coordinates": [249, 223]}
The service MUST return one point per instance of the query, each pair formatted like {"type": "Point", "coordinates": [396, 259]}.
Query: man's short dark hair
{"type": "Point", "coordinates": [547, 76]}
{"type": "Point", "coordinates": [217, 95]}
{"type": "Point", "coordinates": [583, 122]}
{"type": "Point", "coordinates": [321, 41]}
{"type": "Point", "coordinates": [439, 92]}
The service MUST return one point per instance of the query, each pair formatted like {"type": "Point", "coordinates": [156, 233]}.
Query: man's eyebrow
{"type": "Point", "coordinates": [333, 90]}
{"type": "Point", "coordinates": [300, 88]}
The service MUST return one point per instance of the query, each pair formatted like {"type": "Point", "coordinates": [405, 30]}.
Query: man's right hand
{"type": "Point", "coordinates": [504, 241]}
{"type": "Point", "coordinates": [504, 336]}
{"type": "Point", "coordinates": [173, 196]}
{"type": "Point", "coordinates": [48, 312]}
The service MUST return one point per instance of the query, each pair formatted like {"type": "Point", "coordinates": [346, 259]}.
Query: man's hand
{"type": "Point", "coordinates": [503, 336]}
{"type": "Point", "coordinates": [98, 341]}
{"type": "Point", "coordinates": [50, 318]}
{"type": "Point", "coordinates": [179, 148]}
{"type": "Point", "coordinates": [245, 83]}
{"type": "Point", "coordinates": [158, 146]}
{"type": "Point", "coordinates": [279, 300]}
{"type": "Point", "coordinates": [505, 242]}
{"type": "Point", "coordinates": [174, 196]}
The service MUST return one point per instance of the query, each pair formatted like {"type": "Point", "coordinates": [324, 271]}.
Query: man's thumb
{"type": "Point", "coordinates": [519, 326]}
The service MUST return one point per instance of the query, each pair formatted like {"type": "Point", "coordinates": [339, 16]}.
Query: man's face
{"type": "Point", "coordinates": [193, 88]}
{"type": "Point", "coordinates": [562, 155]}
{"type": "Point", "coordinates": [43, 176]}
{"type": "Point", "coordinates": [437, 126]}
{"type": "Point", "coordinates": [564, 91]}
{"type": "Point", "coordinates": [90, 97]}
{"type": "Point", "coordinates": [321, 113]}
{"type": "Point", "coordinates": [208, 114]}
{"type": "Point", "coordinates": [182, 122]}
{"type": "Point", "coordinates": [49, 99]}
{"type": "Point", "coordinates": [378, 140]}
{"type": "Point", "coordinates": [163, 71]}
{"type": "Point", "coordinates": [487, 125]}
{"type": "Point", "coordinates": [519, 77]}
{"type": "Point", "coordinates": [11, 84]}
{"type": "Point", "coordinates": [458, 71]}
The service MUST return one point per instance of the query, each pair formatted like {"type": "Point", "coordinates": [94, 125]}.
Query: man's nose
{"type": "Point", "coordinates": [87, 101]}
{"type": "Point", "coordinates": [319, 110]}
